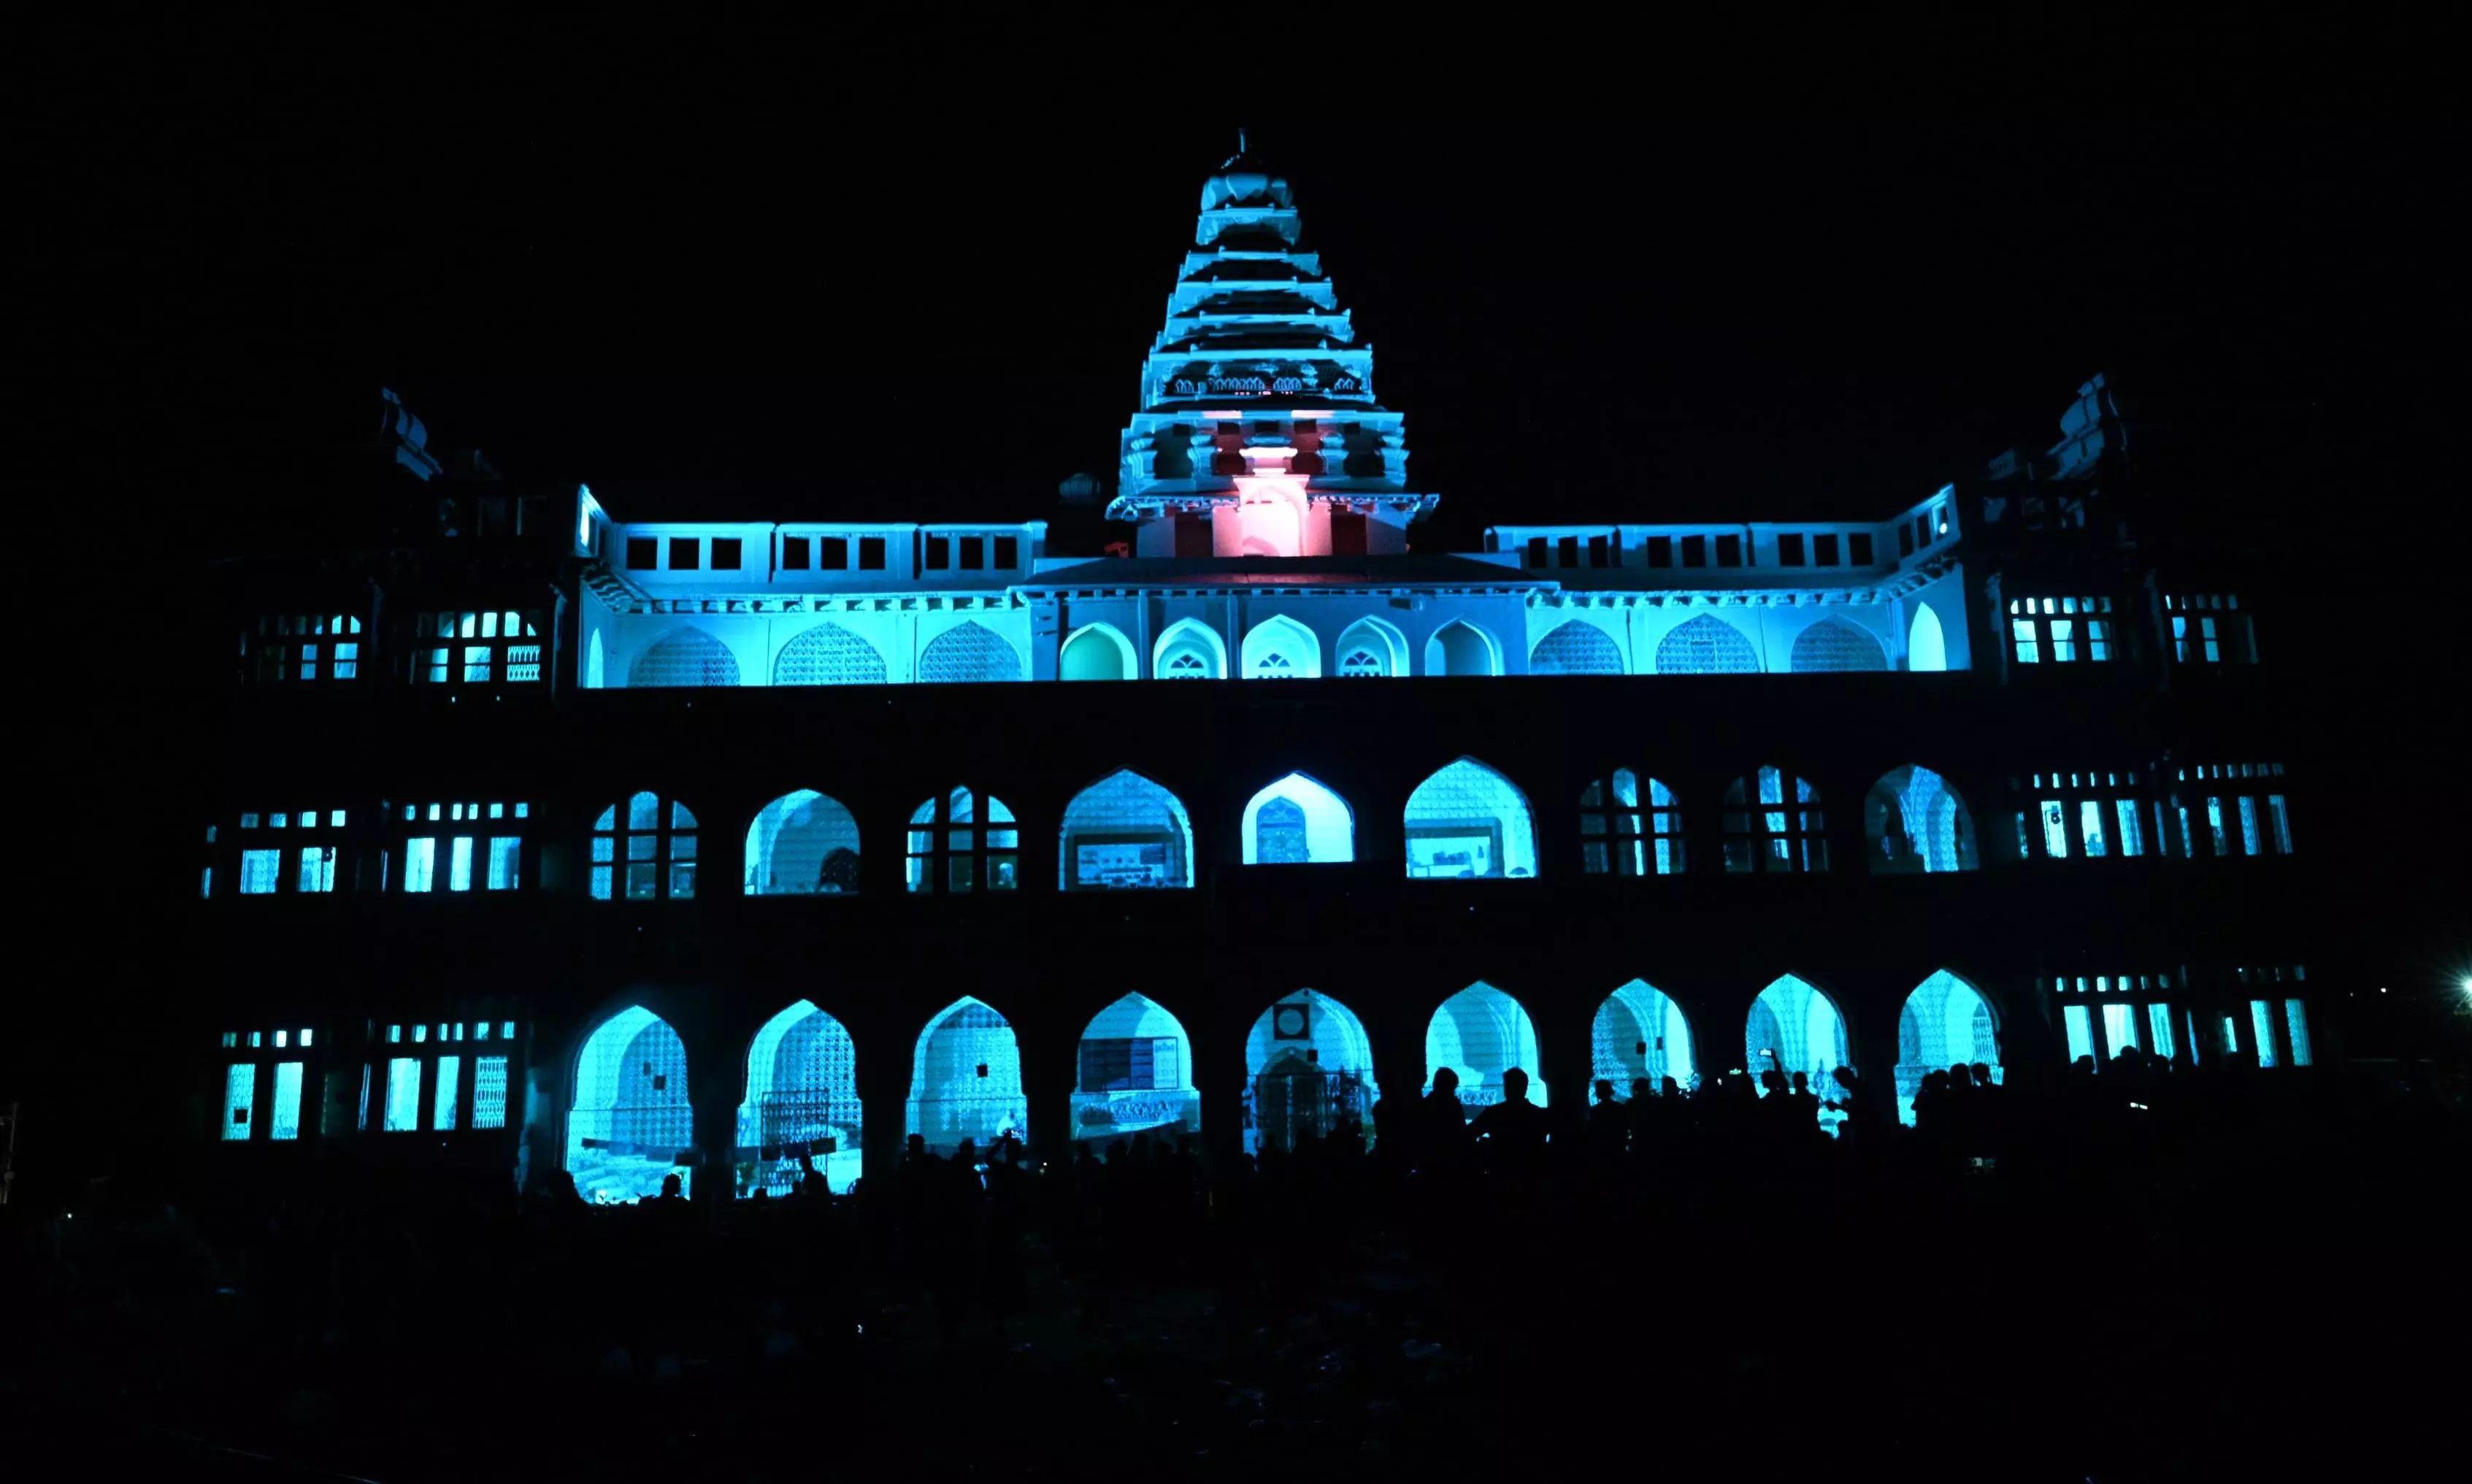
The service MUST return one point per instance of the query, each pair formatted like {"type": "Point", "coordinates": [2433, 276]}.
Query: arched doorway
{"type": "Point", "coordinates": [965, 1079]}
{"type": "Point", "coordinates": [1296, 821]}
{"type": "Point", "coordinates": [1802, 1030]}
{"type": "Point", "coordinates": [801, 1098]}
{"type": "Point", "coordinates": [1926, 643]}
{"type": "Point", "coordinates": [1639, 1032]}
{"type": "Point", "coordinates": [1482, 1033]}
{"type": "Point", "coordinates": [632, 1124]}
{"type": "Point", "coordinates": [1133, 1074]}
{"type": "Point", "coordinates": [1945, 1022]}
{"type": "Point", "coordinates": [1308, 1072]}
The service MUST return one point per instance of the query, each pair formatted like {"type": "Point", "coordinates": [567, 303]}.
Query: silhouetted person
{"type": "Point", "coordinates": [1511, 1133]}
{"type": "Point", "coordinates": [1610, 1122]}
{"type": "Point", "coordinates": [1441, 1140]}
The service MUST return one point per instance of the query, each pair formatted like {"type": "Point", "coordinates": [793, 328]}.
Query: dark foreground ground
{"type": "Point", "coordinates": [2262, 1280]}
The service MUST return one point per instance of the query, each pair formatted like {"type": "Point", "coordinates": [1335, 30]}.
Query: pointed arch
{"type": "Point", "coordinates": [1315, 826]}
{"type": "Point", "coordinates": [1097, 651]}
{"type": "Point", "coordinates": [595, 663]}
{"type": "Point", "coordinates": [1640, 1033]}
{"type": "Point", "coordinates": [632, 1125]}
{"type": "Point", "coordinates": [965, 1079]}
{"type": "Point", "coordinates": [1945, 1022]}
{"type": "Point", "coordinates": [1125, 831]}
{"type": "Point", "coordinates": [1481, 1033]}
{"type": "Point", "coordinates": [1308, 1072]}
{"type": "Point", "coordinates": [802, 843]}
{"type": "Point", "coordinates": [1575, 648]}
{"type": "Point", "coordinates": [963, 841]}
{"type": "Point", "coordinates": [684, 657]}
{"type": "Point", "coordinates": [1134, 1072]}
{"type": "Point", "coordinates": [828, 654]}
{"type": "Point", "coordinates": [1371, 648]}
{"type": "Point", "coordinates": [1802, 1025]}
{"type": "Point", "coordinates": [1773, 823]}
{"type": "Point", "coordinates": [1706, 645]}
{"type": "Point", "coordinates": [968, 653]}
{"type": "Point", "coordinates": [1835, 645]}
{"type": "Point", "coordinates": [1461, 648]}
{"type": "Point", "coordinates": [1915, 822]}
{"type": "Point", "coordinates": [1926, 643]}
{"type": "Point", "coordinates": [1281, 649]}
{"type": "Point", "coordinates": [653, 853]}
{"type": "Point", "coordinates": [1467, 820]}
{"type": "Point", "coordinates": [802, 1100]}
{"type": "Point", "coordinates": [1189, 649]}
{"type": "Point", "coordinates": [1621, 834]}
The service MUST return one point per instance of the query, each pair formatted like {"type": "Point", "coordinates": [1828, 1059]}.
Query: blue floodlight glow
{"type": "Point", "coordinates": [660, 861]}
{"type": "Point", "coordinates": [965, 1079]}
{"type": "Point", "coordinates": [1794, 1019]}
{"type": "Point", "coordinates": [968, 653]}
{"type": "Point", "coordinates": [1481, 1033]}
{"type": "Point", "coordinates": [1926, 643]}
{"type": "Point", "coordinates": [1945, 1021]}
{"type": "Point", "coordinates": [632, 1124]}
{"type": "Point", "coordinates": [1834, 645]}
{"type": "Point", "coordinates": [1097, 651]}
{"type": "Point", "coordinates": [1308, 1072]}
{"type": "Point", "coordinates": [1706, 645]}
{"type": "Point", "coordinates": [402, 1094]}
{"type": "Point", "coordinates": [803, 844]}
{"type": "Point", "coordinates": [1785, 831]}
{"type": "Point", "coordinates": [1371, 648]}
{"type": "Point", "coordinates": [1913, 822]}
{"type": "Point", "coordinates": [1188, 649]}
{"type": "Point", "coordinates": [801, 1095]}
{"type": "Point", "coordinates": [1639, 1032]}
{"type": "Point", "coordinates": [1469, 821]}
{"type": "Point", "coordinates": [1461, 648]}
{"type": "Point", "coordinates": [826, 654]}
{"type": "Point", "coordinates": [240, 1098]}
{"type": "Point", "coordinates": [1296, 821]}
{"type": "Point", "coordinates": [686, 657]}
{"type": "Point", "coordinates": [1575, 648]}
{"type": "Point", "coordinates": [979, 850]}
{"type": "Point", "coordinates": [1280, 648]}
{"type": "Point", "coordinates": [1133, 1072]}
{"type": "Point", "coordinates": [1122, 833]}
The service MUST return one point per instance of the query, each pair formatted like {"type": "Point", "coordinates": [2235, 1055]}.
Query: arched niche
{"type": "Point", "coordinates": [1308, 1073]}
{"type": "Point", "coordinates": [1914, 823]}
{"type": "Point", "coordinates": [1133, 1074]}
{"type": "Point", "coordinates": [1803, 1027]}
{"type": "Point", "coordinates": [685, 657]}
{"type": "Point", "coordinates": [1370, 648]}
{"type": "Point", "coordinates": [1575, 648]}
{"type": "Point", "coordinates": [1639, 1032]}
{"type": "Point", "coordinates": [632, 1125]}
{"type": "Point", "coordinates": [1469, 821]}
{"type": "Point", "coordinates": [965, 1080]}
{"type": "Point", "coordinates": [1461, 648]}
{"type": "Point", "coordinates": [1281, 649]}
{"type": "Point", "coordinates": [1481, 1033]}
{"type": "Point", "coordinates": [1188, 649]}
{"type": "Point", "coordinates": [803, 844]}
{"type": "Point", "coordinates": [1097, 651]}
{"type": "Point", "coordinates": [1125, 832]}
{"type": "Point", "coordinates": [801, 1105]}
{"type": "Point", "coordinates": [1945, 1023]}
{"type": "Point", "coordinates": [1297, 821]}
{"type": "Point", "coordinates": [1926, 643]}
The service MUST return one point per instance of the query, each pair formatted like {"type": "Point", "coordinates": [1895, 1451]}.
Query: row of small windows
{"type": "Point", "coordinates": [2120, 1012]}
{"type": "Point", "coordinates": [2062, 629]}
{"type": "Point", "coordinates": [477, 647]}
{"type": "Point", "coordinates": [400, 1107]}
{"type": "Point", "coordinates": [302, 646]}
{"type": "Point", "coordinates": [2214, 810]}
{"type": "Point", "coordinates": [470, 850]}
{"type": "Point", "coordinates": [936, 552]}
{"type": "Point", "coordinates": [1793, 548]}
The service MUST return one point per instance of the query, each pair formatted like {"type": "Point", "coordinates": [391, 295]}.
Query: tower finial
{"type": "Point", "coordinates": [1240, 138]}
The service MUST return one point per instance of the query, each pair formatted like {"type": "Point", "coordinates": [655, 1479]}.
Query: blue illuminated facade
{"type": "Point", "coordinates": [635, 847]}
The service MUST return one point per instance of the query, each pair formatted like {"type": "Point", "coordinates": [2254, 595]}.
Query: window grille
{"type": "Point", "coordinates": [2238, 809]}
{"type": "Point", "coordinates": [657, 847]}
{"type": "Point", "coordinates": [291, 851]}
{"type": "Point", "coordinates": [1575, 648]}
{"type": "Point", "coordinates": [402, 1094]}
{"type": "Point", "coordinates": [478, 849]}
{"type": "Point", "coordinates": [302, 646]}
{"type": "Point", "coordinates": [689, 657]}
{"type": "Point", "coordinates": [1185, 663]}
{"type": "Point", "coordinates": [1706, 645]}
{"type": "Point", "coordinates": [1835, 645]}
{"type": "Point", "coordinates": [968, 653]}
{"type": "Point", "coordinates": [2104, 1014]}
{"type": "Point", "coordinates": [1617, 837]}
{"type": "Point", "coordinates": [1640, 1033]}
{"type": "Point", "coordinates": [1782, 831]}
{"type": "Point", "coordinates": [240, 1099]}
{"type": "Point", "coordinates": [1914, 822]}
{"type": "Point", "coordinates": [1370, 648]}
{"type": "Point", "coordinates": [1466, 820]}
{"type": "Point", "coordinates": [488, 1092]}
{"type": "Point", "coordinates": [2062, 630]}
{"type": "Point", "coordinates": [801, 1098]}
{"type": "Point", "coordinates": [966, 1081]}
{"type": "Point", "coordinates": [2209, 628]}
{"type": "Point", "coordinates": [828, 654]}
{"type": "Point", "coordinates": [632, 1124]}
{"type": "Point", "coordinates": [449, 1079]}
{"type": "Point", "coordinates": [803, 844]}
{"type": "Point", "coordinates": [477, 649]}
{"type": "Point", "coordinates": [2091, 813]}
{"type": "Point", "coordinates": [953, 848]}
{"type": "Point", "coordinates": [1360, 663]}
{"type": "Point", "coordinates": [1126, 832]}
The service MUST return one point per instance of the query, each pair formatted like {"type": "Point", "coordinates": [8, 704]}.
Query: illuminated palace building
{"type": "Point", "coordinates": [632, 847]}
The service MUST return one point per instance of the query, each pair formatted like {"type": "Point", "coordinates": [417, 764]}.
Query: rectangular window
{"type": "Point", "coordinates": [2119, 1029]}
{"type": "Point", "coordinates": [2090, 828]}
{"type": "Point", "coordinates": [488, 1092]}
{"type": "Point", "coordinates": [287, 1101]}
{"type": "Point", "coordinates": [1536, 551]}
{"type": "Point", "coordinates": [1823, 549]}
{"type": "Point", "coordinates": [643, 553]}
{"type": "Point", "coordinates": [2215, 827]}
{"type": "Point", "coordinates": [2214, 650]}
{"type": "Point", "coordinates": [2295, 1026]}
{"type": "Point", "coordinates": [459, 871]}
{"type": "Point", "coordinates": [258, 870]}
{"type": "Point", "coordinates": [1790, 549]}
{"type": "Point", "coordinates": [2158, 1029]}
{"type": "Point", "coordinates": [2261, 1026]}
{"type": "Point", "coordinates": [2131, 841]}
{"type": "Point", "coordinates": [2249, 845]}
{"type": "Point", "coordinates": [1905, 541]}
{"type": "Point", "coordinates": [2064, 643]}
{"type": "Point", "coordinates": [403, 1094]}
{"type": "Point", "coordinates": [2056, 830]}
{"type": "Point", "coordinates": [317, 868]}
{"type": "Point", "coordinates": [1008, 554]}
{"type": "Point", "coordinates": [974, 554]}
{"type": "Point", "coordinates": [724, 553]}
{"type": "Point", "coordinates": [1857, 548]}
{"type": "Point", "coordinates": [2098, 639]}
{"type": "Point", "coordinates": [1694, 551]}
{"type": "Point", "coordinates": [1140, 1063]}
{"type": "Point", "coordinates": [1729, 550]}
{"type": "Point", "coordinates": [2079, 1021]}
{"type": "Point", "coordinates": [687, 553]}
{"type": "Point", "coordinates": [2029, 648]}
{"type": "Point", "coordinates": [1566, 552]}
{"type": "Point", "coordinates": [832, 553]}
{"type": "Point", "coordinates": [240, 1098]}
{"type": "Point", "coordinates": [870, 554]}
{"type": "Point", "coordinates": [419, 863]}
{"type": "Point", "coordinates": [2282, 823]}
{"type": "Point", "coordinates": [1600, 552]}
{"type": "Point", "coordinates": [940, 552]}
{"type": "Point", "coordinates": [794, 554]}
{"type": "Point", "coordinates": [506, 861]}
{"type": "Point", "coordinates": [1660, 551]}
{"type": "Point", "coordinates": [449, 1074]}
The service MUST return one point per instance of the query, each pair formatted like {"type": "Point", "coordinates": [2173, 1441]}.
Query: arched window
{"type": "Point", "coordinates": [965, 1080]}
{"type": "Point", "coordinates": [1467, 820]}
{"type": "Point", "coordinates": [1461, 648]}
{"type": "Point", "coordinates": [1370, 648]}
{"type": "Point", "coordinates": [689, 657]}
{"type": "Point", "coordinates": [1296, 821]}
{"type": "Point", "coordinates": [1914, 822]}
{"type": "Point", "coordinates": [1706, 645]}
{"type": "Point", "coordinates": [1619, 838]}
{"type": "Point", "coordinates": [1639, 1034]}
{"type": "Point", "coordinates": [1578, 647]}
{"type": "Point", "coordinates": [1187, 651]}
{"type": "Point", "coordinates": [968, 654]}
{"type": "Point", "coordinates": [1125, 831]}
{"type": "Point", "coordinates": [962, 842]}
{"type": "Point", "coordinates": [1776, 828]}
{"type": "Point", "coordinates": [595, 663]}
{"type": "Point", "coordinates": [632, 1124]}
{"type": "Point", "coordinates": [1926, 645]}
{"type": "Point", "coordinates": [1308, 1072]}
{"type": "Point", "coordinates": [801, 844]}
{"type": "Point", "coordinates": [656, 849]}
{"type": "Point", "coordinates": [828, 654]}
{"type": "Point", "coordinates": [1947, 1023]}
{"type": "Point", "coordinates": [1281, 649]}
{"type": "Point", "coordinates": [1481, 1033]}
{"type": "Point", "coordinates": [1096, 651]}
{"type": "Point", "coordinates": [1799, 1029]}
{"type": "Point", "coordinates": [1833, 643]}
{"type": "Point", "coordinates": [1134, 1072]}
{"type": "Point", "coordinates": [801, 1104]}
